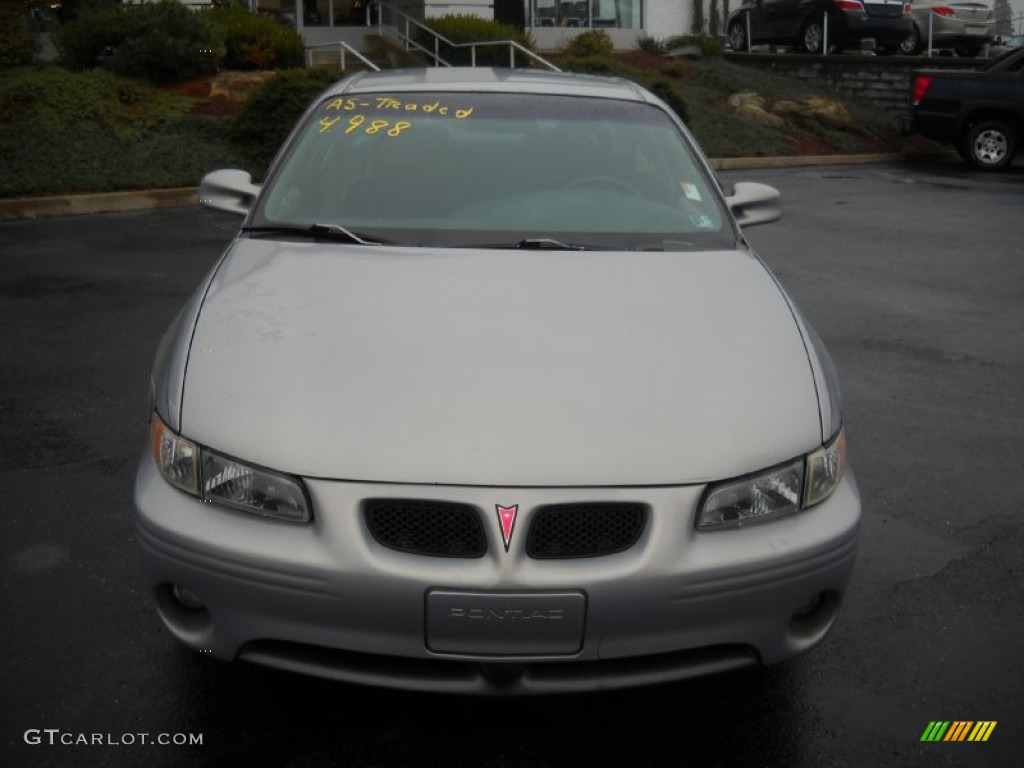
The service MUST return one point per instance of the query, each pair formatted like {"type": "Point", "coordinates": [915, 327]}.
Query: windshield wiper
{"type": "Point", "coordinates": [318, 231]}
{"type": "Point", "coordinates": [546, 244]}
{"type": "Point", "coordinates": [536, 244]}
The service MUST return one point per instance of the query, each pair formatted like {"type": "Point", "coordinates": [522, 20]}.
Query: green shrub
{"type": "Point", "coordinates": [176, 157]}
{"type": "Point", "coordinates": [63, 132]}
{"type": "Point", "coordinates": [667, 92]}
{"type": "Point", "coordinates": [650, 44]}
{"type": "Point", "coordinates": [160, 41]}
{"type": "Point", "coordinates": [472, 29]}
{"type": "Point", "coordinates": [59, 104]}
{"type": "Point", "coordinates": [269, 111]}
{"type": "Point", "coordinates": [709, 44]}
{"type": "Point", "coordinates": [256, 41]}
{"type": "Point", "coordinates": [592, 43]}
{"type": "Point", "coordinates": [18, 45]}
{"type": "Point", "coordinates": [167, 41]}
{"type": "Point", "coordinates": [595, 65]}
{"type": "Point", "coordinates": [91, 35]}
{"type": "Point", "coordinates": [676, 69]}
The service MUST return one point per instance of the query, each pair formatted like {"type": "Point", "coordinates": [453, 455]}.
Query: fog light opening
{"type": "Point", "coordinates": [186, 598]}
{"type": "Point", "coordinates": [809, 608]}
{"type": "Point", "coordinates": [813, 619]}
{"type": "Point", "coordinates": [183, 612]}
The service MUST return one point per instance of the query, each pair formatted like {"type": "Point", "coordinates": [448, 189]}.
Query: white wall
{"type": "Point", "coordinates": [662, 18]}
{"type": "Point", "coordinates": [666, 18]}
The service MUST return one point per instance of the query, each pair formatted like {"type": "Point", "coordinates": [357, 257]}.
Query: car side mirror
{"type": "Point", "coordinates": [754, 203]}
{"type": "Point", "coordinates": [228, 190]}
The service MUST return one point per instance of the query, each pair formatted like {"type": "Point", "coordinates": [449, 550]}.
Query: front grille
{"type": "Point", "coordinates": [584, 530]}
{"type": "Point", "coordinates": [438, 528]}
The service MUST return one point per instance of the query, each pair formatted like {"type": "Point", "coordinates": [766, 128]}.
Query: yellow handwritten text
{"type": "Point", "coordinates": [326, 123]}
{"type": "Point", "coordinates": [391, 104]}
{"type": "Point", "coordinates": [348, 105]}
{"type": "Point", "coordinates": [357, 123]}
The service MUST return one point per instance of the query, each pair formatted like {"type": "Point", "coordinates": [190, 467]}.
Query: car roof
{"type": "Point", "coordinates": [488, 80]}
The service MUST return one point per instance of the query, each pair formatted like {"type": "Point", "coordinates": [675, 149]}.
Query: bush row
{"type": "Point", "coordinates": [18, 45]}
{"type": "Point", "coordinates": [64, 132]}
{"type": "Point", "coordinates": [461, 28]}
{"type": "Point", "coordinates": [166, 41]}
{"type": "Point", "coordinates": [59, 104]}
{"type": "Point", "coordinates": [158, 41]}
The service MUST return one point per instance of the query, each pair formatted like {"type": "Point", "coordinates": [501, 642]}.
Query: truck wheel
{"type": "Point", "coordinates": [991, 145]}
{"type": "Point", "coordinates": [738, 35]}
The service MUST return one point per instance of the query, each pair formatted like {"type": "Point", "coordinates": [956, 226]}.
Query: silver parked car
{"type": "Point", "coordinates": [491, 394]}
{"type": "Point", "coordinates": [966, 26]}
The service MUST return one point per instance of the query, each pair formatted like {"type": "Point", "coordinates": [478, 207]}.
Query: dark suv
{"type": "Point", "coordinates": [802, 23]}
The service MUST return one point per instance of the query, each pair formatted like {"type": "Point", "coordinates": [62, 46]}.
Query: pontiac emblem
{"type": "Point", "coordinates": [507, 521]}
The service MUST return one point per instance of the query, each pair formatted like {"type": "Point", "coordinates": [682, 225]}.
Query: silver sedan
{"type": "Point", "coordinates": [491, 395]}
{"type": "Point", "coordinates": [964, 25]}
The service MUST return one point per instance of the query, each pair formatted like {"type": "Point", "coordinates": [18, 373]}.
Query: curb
{"type": "Point", "coordinates": [18, 208]}
{"type": "Point", "coordinates": [800, 161]}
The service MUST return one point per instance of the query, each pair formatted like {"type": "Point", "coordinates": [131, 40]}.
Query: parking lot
{"type": "Point", "coordinates": [913, 275]}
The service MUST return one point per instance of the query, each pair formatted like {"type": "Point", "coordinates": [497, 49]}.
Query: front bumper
{"type": "Point", "coordinates": [327, 599]}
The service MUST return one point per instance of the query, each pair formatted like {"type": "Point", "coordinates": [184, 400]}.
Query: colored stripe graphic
{"type": "Point", "coordinates": [958, 730]}
{"type": "Point", "coordinates": [982, 730]}
{"type": "Point", "coordinates": [935, 731]}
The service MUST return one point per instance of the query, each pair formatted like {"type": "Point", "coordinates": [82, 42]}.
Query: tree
{"type": "Point", "coordinates": [1004, 19]}
{"type": "Point", "coordinates": [697, 27]}
{"type": "Point", "coordinates": [715, 22]}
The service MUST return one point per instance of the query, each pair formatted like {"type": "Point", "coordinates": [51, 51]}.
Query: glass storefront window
{"type": "Point", "coordinates": [614, 14]}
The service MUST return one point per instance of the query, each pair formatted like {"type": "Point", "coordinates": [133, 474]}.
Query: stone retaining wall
{"type": "Point", "coordinates": [882, 81]}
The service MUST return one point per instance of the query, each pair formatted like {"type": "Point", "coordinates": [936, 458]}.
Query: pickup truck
{"type": "Point", "coordinates": [981, 112]}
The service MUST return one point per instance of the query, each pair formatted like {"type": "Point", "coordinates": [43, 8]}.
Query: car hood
{"type": "Point", "coordinates": [498, 367]}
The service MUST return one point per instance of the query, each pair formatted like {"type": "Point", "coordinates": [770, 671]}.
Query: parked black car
{"type": "Point", "coordinates": [979, 113]}
{"type": "Point", "coordinates": [801, 23]}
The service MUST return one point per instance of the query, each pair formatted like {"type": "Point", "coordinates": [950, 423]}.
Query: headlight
{"type": "Point", "coordinates": [175, 457]}
{"type": "Point", "coordinates": [770, 495]}
{"type": "Point", "coordinates": [777, 492]}
{"type": "Point", "coordinates": [825, 468]}
{"type": "Point", "coordinates": [213, 477]}
{"type": "Point", "coordinates": [230, 482]}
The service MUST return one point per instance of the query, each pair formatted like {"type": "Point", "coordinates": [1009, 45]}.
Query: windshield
{"type": "Point", "coordinates": [497, 170]}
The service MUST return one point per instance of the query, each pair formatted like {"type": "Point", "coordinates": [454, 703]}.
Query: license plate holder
{"type": "Point", "coordinates": [505, 623]}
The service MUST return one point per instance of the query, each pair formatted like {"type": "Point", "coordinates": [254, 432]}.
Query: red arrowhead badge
{"type": "Point", "coordinates": [507, 521]}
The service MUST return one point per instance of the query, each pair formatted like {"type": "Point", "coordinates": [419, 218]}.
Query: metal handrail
{"type": "Point", "coordinates": [407, 39]}
{"type": "Point", "coordinates": [343, 48]}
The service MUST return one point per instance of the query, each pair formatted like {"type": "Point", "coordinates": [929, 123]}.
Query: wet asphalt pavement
{"type": "Point", "coordinates": [913, 275]}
